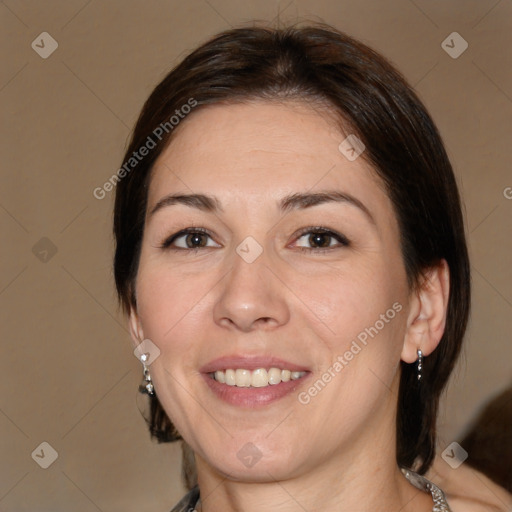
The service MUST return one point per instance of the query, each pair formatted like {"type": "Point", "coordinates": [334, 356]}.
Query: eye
{"type": "Point", "coordinates": [321, 239]}
{"type": "Point", "coordinates": [187, 239]}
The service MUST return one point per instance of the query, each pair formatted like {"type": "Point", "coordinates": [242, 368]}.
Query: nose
{"type": "Point", "coordinates": [251, 297]}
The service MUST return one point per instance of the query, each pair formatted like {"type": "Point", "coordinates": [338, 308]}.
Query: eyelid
{"type": "Point", "coordinates": [166, 244]}
{"type": "Point", "coordinates": [343, 240]}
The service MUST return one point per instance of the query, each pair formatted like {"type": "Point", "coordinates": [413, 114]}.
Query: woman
{"type": "Point", "coordinates": [291, 255]}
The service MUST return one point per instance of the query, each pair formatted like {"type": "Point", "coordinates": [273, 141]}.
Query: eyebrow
{"type": "Point", "coordinates": [297, 201]}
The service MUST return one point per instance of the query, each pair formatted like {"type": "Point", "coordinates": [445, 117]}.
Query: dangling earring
{"type": "Point", "coordinates": [420, 363]}
{"type": "Point", "coordinates": [147, 384]}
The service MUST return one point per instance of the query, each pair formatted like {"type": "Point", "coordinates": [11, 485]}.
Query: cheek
{"type": "Point", "coordinates": [170, 306]}
{"type": "Point", "coordinates": [343, 302]}
{"type": "Point", "coordinates": [362, 319]}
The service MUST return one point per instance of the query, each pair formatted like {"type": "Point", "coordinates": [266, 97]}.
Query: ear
{"type": "Point", "coordinates": [427, 313]}
{"type": "Point", "coordinates": [135, 326]}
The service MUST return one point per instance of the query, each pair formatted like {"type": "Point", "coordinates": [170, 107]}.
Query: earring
{"type": "Point", "coordinates": [147, 384]}
{"type": "Point", "coordinates": [420, 363]}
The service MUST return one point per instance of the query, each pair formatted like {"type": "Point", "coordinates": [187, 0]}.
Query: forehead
{"type": "Point", "coordinates": [262, 150]}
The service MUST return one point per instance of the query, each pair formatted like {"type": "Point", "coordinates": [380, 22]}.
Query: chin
{"type": "Point", "coordinates": [258, 461]}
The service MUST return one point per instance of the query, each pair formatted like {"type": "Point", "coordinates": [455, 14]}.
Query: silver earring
{"type": "Point", "coordinates": [420, 363]}
{"type": "Point", "coordinates": [147, 384]}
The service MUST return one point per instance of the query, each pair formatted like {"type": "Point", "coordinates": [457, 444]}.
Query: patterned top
{"type": "Point", "coordinates": [189, 502]}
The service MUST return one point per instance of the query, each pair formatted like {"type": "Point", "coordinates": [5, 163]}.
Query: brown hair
{"type": "Point", "coordinates": [371, 98]}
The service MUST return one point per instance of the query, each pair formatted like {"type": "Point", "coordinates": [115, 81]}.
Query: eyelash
{"type": "Point", "coordinates": [344, 242]}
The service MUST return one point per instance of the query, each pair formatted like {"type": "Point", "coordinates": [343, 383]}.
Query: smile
{"type": "Point", "coordinates": [258, 378]}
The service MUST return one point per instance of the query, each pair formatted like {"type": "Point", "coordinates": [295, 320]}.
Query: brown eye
{"type": "Point", "coordinates": [190, 238]}
{"type": "Point", "coordinates": [194, 240]}
{"type": "Point", "coordinates": [321, 238]}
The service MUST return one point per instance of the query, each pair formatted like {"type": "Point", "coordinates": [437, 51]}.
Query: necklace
{"type": "Point", "coordinates": [420, 482]}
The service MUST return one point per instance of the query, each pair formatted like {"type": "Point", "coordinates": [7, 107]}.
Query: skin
{"type": "Point", "coordinates": [469, 490]}
{"type": "Point", "coordinates": [338, 451]}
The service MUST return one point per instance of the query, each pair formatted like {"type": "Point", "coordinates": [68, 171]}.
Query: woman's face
{"type": "Point", "coordinates": [273, 277]}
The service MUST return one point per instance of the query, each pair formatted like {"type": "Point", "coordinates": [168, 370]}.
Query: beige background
{"type": "Point", "coordinates": [68, 373]}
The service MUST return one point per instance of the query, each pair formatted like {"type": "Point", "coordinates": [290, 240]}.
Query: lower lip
{"type": "Point", "coordinates": [253, 397]}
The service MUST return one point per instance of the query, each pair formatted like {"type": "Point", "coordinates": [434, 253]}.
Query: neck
{"type": "Point", "coordinates": [376, 489]}
{"type": "Point", "coordinates": [361, 475]}
{"type": "Point", "coordinates": [361, 478]}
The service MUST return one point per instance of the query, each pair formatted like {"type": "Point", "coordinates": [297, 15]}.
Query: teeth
{"type": "Point", "coordinates": [274, 376]}
{"type": "Point", "coordinates": [257, 379]}
{"type": "Point", "coordinates": [242, 378]}
{"type": "Point", "coordinates": [230, 377]}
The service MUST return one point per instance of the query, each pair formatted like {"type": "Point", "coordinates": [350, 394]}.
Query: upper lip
{"type": "Point", "coordinates": [250, 363]}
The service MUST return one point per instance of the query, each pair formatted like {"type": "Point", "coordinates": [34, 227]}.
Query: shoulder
{"type": "Point", "coordinates": [468, 490]}
{"type": "Point", "coordinates": [459, 504]}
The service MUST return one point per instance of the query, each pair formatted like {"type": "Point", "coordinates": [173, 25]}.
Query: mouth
{"type": "Point", "coordinates": [259, 378]}
{"type": "Point", "coordinates": [251, 382]}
